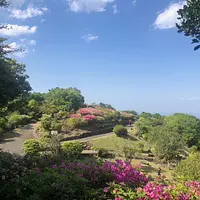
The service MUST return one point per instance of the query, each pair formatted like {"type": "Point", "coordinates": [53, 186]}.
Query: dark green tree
{"type": "Point", "coordinates": [60, 99]}
{"type": "Point", "coordinates": [189, 18]}
{"type": "Point", "coordinates": [13, 80]}
{"type": "Point", "coordinates": [187, 126]}
{"type": "Point", "coordinates": [166, 144]}
{"type": "Point", "coordinates": [4, 3]}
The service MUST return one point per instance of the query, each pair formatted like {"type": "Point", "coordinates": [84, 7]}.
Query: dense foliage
{"type": "Point", "coordinates": [120, 130]}
{"type": "Point", "coordinates": [189, 18]}
{"type": "Point", "coordinates": [13, 80]}
{"type": "Point", "coordinates": [189, 168]}
{"type": "Point", "coordinates": [36, 178]}
{"type": "Point", "coordinates": [60, 99]}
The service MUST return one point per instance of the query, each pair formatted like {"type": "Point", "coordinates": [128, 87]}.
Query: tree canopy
{"type": "Point", "coordinates": [60, 99]}
{"type": "Point", "coordinates": [13, 80]}
{"type": "Point", "coordinates": [189, 18]}
{"type": "Point", "coordinates": [166, 144]}
{"type": "Point", "coordinates": [185, 125]}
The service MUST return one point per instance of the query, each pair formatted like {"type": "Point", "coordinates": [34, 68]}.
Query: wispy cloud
{"type": "Point", "coordinates": [18, 50]}
{"type": "Point", "coordinates": [21, 48]}
{"type": "Point", "coordinates": [168, 18]}
{"type": "Point", "coordinates": [115, 10]}
{"type": "Point", "coordinates": [16, 30]}
{"type": "Point", "coordinates": [28, 13]}
{"type": "Point", "coordinates": [89, 37]}
{"type": "Point", "coordinates": [42, 20]}
{"type": "Point", "coordinates": [88, 5]}
{"type": "Point", "coordinates": [190, 98]}
{"type": "Point", "coordinates": [134, 2]}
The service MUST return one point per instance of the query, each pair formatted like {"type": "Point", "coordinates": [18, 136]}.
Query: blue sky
{"type": "Point", "coordinates": [123, 52]}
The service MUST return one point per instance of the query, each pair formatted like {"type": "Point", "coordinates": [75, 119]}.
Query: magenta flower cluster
{"type": "Point", "coordinates": [124, 172]}
{"type": "Point", "coordinates": [119, 171]}
{"type": "Point", "coordinates": [91, 111]}
{"type": "Point", "coordinates": [170, 191]}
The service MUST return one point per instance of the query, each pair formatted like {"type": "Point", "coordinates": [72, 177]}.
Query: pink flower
{"type": "Point", "coordinates": [54, 166]}
{"type": "Point", "coordinates": [118, 198]}
{"type": "Point", "coordinates": [106, 189]}
{"type": "Point", "coordinates": [139, 166]}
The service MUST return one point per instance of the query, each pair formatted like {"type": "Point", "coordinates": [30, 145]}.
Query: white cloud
{"type": "Point", "coordinates": [89, 37]}
{"type": "Point", "coordinates": [19, 50]}
{"type": "Point", "coordinates": [28, 42]}
{"type": "Point", "coordinates": [115, 10]}
{"type": "Point", "coordinates": [28, 13]}
{"type": "Point", "coordinates": [32, 42]}
{"type": "Point", "coordinates": [191, 99]}
{"type": "Point", "coordinates": [88, 5]}
{"type": "Point", "coordinates": [134, 2]}
{"type": "Point", "coordinates": [15, 30]}
{"type": "Point", "coordinates": [168, 18]}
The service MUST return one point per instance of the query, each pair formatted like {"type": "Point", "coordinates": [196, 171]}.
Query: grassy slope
{"type": "Point", "coordinates": [114, 143]}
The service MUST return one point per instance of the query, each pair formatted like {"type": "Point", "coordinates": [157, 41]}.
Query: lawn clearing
{"type": "Point", "coordinates": [114, 143]}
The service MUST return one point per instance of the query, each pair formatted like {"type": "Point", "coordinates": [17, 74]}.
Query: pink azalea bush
{"type": "Point", "coordinates": [91, 111]}
{"type": "Point", "coordinates": [119, 171]}
{"type": "Point", "coordinates": [89, 117]}
{"type": "Point", "coordinates": [170, 190]}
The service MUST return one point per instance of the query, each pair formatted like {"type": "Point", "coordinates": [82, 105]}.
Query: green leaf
{"type": "Point", "coordinates": [197, 47]}
{"type": "Point", "coordinates": [195, 41]}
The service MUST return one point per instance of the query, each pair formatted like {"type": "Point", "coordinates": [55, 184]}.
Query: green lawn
{"type": "Point", "coordinates": [114, 143]}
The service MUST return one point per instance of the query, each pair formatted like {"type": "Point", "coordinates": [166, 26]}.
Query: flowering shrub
{"type": "Point", "coordinates": [75, 116]}
{"type": "Point", "coordinates": [119, 171]}
{"type": "Point", "coordinates": [170, 190]}
{"type": "Point", "coordinates": [25, 178]}
{"type": "Point", "coordinates": [89, 117]}
{"type": "Point", "coordinates": [91, 111]}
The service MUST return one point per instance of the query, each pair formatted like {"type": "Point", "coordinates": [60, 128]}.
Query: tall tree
{"type": "Point", "coordinates": [60, 99]}
{"type": "Point", "coordinates": [166, 143]}
{"type": "Point", "coordinates": [13, 80]}
{"type": "Point", "coordinates": [189, 18]}
{"type": "Point", "coordinates": [185, 125]}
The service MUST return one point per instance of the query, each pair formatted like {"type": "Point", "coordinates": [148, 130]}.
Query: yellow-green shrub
{"type": "Point", "coordinates": [72, 149]}
{"type": "Point", "coordinates": [72, 123]}
{"type": "Point", "coordinates": [31, 147]}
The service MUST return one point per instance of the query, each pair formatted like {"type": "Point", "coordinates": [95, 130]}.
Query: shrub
{"type": "Point", "coordinates": [103, 153]}
{"type": "Point", "coordinates": [129, 152]}
{"type": "Point", "coordinates": [72, 149]}
{"type": "Point", "coordinates": [3, 122]}
{"type": "Point", "coordinates": [73, 123]}
{"type": "Point", "coordinates": [16, 119]}
{"type": "Point", "coordinates": [91, 111]}
{"type": "Point", "coordinates": [56, 126]}
{"type": "Point", "coordinates": [120, 130]}
{"type": "Point", "coordinates": [46, 122]}
{"type": "Point", "coordinates": [189, 168]}
{"type": "Point", "coordinates": [139, 147]}
{"type": "Point", "coordinates": [31, 147]}
{"type": "Point", "coordinates": [193, 149]}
